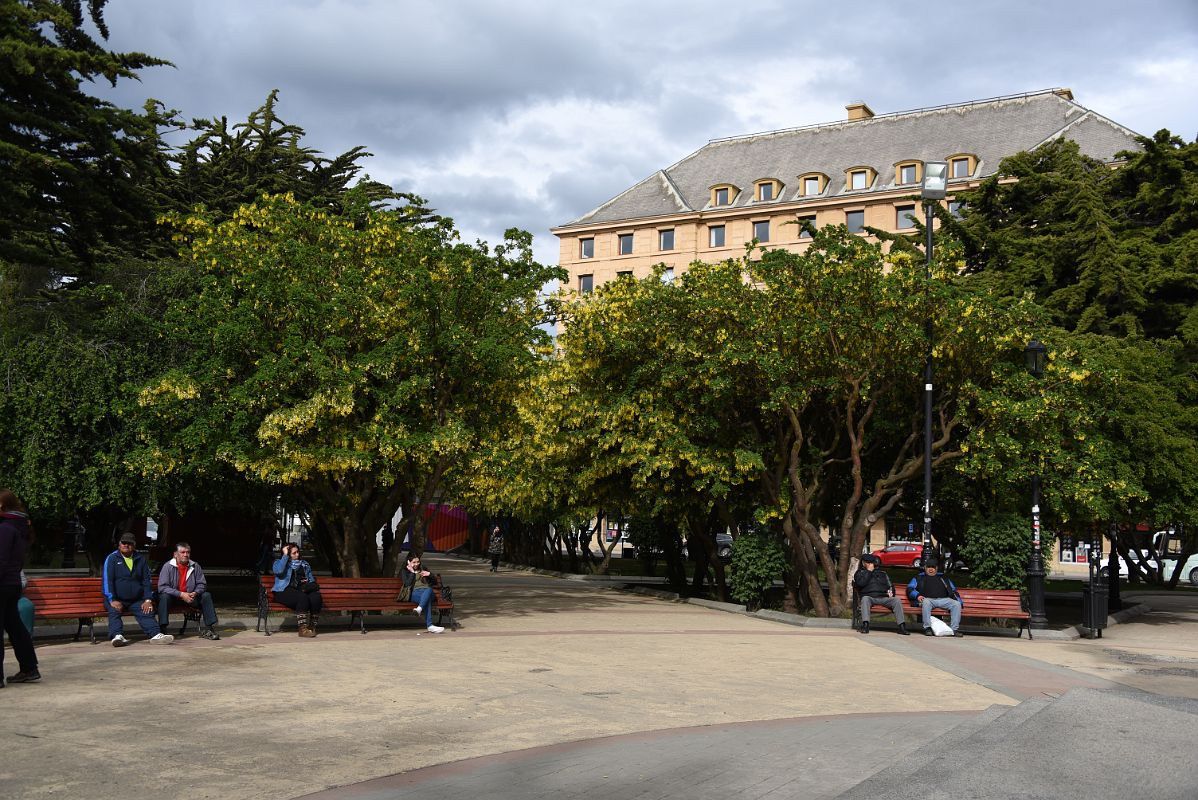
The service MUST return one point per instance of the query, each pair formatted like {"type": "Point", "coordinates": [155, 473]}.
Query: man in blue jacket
{"type": "Point", "coordinates": [182, 580]}
{"type": "Point", "coordinates": [929, 590]}
{"type": "Point", "coordinates": [126, 587]}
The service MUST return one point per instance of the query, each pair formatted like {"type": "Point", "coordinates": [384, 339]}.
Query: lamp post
{"type": "Point", "coordinates": [1035, 355]}
{"type": "Point", "coordinates": [931, 190]}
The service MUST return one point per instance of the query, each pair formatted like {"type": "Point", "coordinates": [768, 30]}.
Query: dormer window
{"type": "Point", "coordinates": [812, 184]}
{"type": "Point", "coordinates": [723, 194]}
{"type": "Point", "coordinates": [962, 165]}
{"type": "Point", "coordinates": [767, 190]}
{"type": "Point", "coordinates": [858, 178]}
{"type": "Point", "coordinates": [907, 173]}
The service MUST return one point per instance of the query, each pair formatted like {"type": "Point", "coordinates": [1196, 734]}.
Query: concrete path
{"type": "Point", "coordinates": [546, 677]}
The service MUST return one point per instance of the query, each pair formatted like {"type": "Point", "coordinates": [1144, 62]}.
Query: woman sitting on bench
{"type": "Point", "coordinates": [418, 589]}
{"type": "Point", "coordinates": [296, 587]}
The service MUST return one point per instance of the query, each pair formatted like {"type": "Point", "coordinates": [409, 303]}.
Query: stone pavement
{"type": "Point", "coordinates": [550, 687]}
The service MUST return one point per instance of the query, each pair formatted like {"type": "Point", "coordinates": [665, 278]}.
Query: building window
{"type": "Point", "coordinates": [715, 235]}
{"type": "Point", "coordinates": [665, 239]}
{"type": "Point", "coordinates": [955, 207]}
{"type": "Point", "coordinates": [858, 179]}
{"type": "Point", "coordinates": [765, 191]}
{"type": "Point", "coordinates": [667, 275]}
{"type": "Point", "coordinates": [856, 221]}
{"type": "Point", "coordinates": [586, 284]}
{"type": "Point", "coordinates": [625, 244]}
{"type": "Point", "coordinates": [624, 274]}
{"type": "Point", "coordinates": [908, 173]}
{"type": "Point", "coordinates": [761, 231]}
{"type": "Point", "coordinates": [803, 232]}
{"type": "Point", "coordinates": [961, 167]}
{"type": "Point", "coordinates": [904, 217]}
{"type": "Point", "coordinates": [811, 186]}
{"type": "Point", "coordinates": [586, 248]}
{"type": "Point", "coordinates": [721, 197]}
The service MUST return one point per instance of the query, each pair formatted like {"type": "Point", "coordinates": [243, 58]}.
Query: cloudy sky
{"type": "Point", "coordinates": [529, 114]}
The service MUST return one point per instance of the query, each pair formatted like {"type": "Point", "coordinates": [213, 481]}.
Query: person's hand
{"type": "Point", "coordinates": [424, 573]}
{"type": "Point", "coordinates": [890, 592]}
{"type": "Point", "coordinates": [147, 606]}
{"type": "Point", "coordinates": [188, 597]}
{"type": "Point", "coordinates": [118, 605]}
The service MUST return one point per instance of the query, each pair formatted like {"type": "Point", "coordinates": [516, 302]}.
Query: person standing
{"type": "Point", "coordinates": [182, 580]}
{"type": "Point", "coordinates": [126, 587]}
{"type": "Point", "coordinates": [296, 587]}
{"type": "Point", "coordinates": [15, 536]}
{"type": "Point", "coordinates": [874, 588]}
{"type": "Point", "coordinates": [495, 547]}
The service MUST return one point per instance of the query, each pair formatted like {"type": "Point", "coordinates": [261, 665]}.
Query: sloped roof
{"type": "Point", "coordinates": [990, 129]}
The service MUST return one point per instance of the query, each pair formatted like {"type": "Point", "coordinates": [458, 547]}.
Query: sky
{"type": "Point", "coordinates": [529, 114]}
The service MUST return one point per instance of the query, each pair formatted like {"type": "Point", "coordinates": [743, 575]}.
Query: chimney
{"type": "Point", "coordinates": [1064, 92]}
{"type": "Point", "coordinates": [859, 111]}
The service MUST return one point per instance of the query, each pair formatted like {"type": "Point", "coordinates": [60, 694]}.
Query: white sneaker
{"type": "Point", "coordinates": [435, 629]}
{"type": "Point", "coordinates": [162, 638]}
{"type": "Point", "coordinates": [119, 641]}
{"type": "Point", "coordinates": [417, 610]}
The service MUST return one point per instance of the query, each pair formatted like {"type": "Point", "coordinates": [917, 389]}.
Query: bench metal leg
{"type": "Point", "coordinates": [263, 612]}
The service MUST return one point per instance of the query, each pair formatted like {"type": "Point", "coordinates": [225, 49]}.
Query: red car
{"type": "Point", "coordinates": [900, 555]}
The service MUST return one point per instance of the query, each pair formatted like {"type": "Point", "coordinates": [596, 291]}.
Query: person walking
{"type": "Point", "coordinates": [495, 547]}
{"type": "Point", "coordinates": [15, 536]}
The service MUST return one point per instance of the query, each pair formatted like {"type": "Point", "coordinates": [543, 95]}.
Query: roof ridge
{"type": "Point", "coordinates": [893, 114]}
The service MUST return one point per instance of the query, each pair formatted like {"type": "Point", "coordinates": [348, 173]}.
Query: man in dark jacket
{"type": "Point", "coordinates": [15, 534]}
{"type": "Point", "coordinates": [874, 587]}
{"type": "Point", "coordinates": [126, 587]}
{"type": "Point", "coordinates": [929, 590]}
{"type": "Point", "coordinates": [182, 580]}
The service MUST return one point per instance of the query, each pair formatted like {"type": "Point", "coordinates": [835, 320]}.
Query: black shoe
{"type": "Point", "coordinates": [903, 629]}
{"type": "Point", "coordinates": [33, 676]}
{"type": "Point", "coordinates": [928, 632]}
{"type": "Point", "coordinates": [958, 634]}
{"type": "Point", "coordinates": [209, 633]}
{"type": "Point", "coordinates": [865, 627]}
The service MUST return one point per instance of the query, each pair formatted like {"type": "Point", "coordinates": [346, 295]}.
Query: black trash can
{"type": "Point", "coordinates": [1094, 607]}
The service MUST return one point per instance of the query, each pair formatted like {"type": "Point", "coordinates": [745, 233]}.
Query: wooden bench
{"type": "Point", "coordinates": [975, 603]}
{"type": "Point", "coordinates": [355, 595]}
{"type": "Point", "coordinates": [82, 599]}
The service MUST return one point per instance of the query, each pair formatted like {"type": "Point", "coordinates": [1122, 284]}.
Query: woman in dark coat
{"type": "Point", "coordinates": [15, 535]}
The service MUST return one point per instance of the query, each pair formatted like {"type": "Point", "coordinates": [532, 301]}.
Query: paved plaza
{"type": "Point", "coordinates": [561, 688]}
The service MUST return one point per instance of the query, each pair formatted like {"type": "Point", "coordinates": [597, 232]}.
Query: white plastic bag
{"type": "Point", "coordinates": [940, 628]}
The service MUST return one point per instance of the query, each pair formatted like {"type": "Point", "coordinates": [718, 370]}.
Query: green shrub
{"type": "Point", "coordinates": [997, 550]}
{"type": "Point", "coordinates": [757, 561]}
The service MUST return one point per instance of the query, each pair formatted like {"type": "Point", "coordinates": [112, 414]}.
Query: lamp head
{"type": "Point", "coordinates": [935, 180]}
{"type": "Point", "coordinates": [1035, 355]}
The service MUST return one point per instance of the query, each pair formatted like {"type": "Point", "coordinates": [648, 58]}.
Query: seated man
{"type": "Point", "coordinates": [126, 585]}
{"type": "Point", "coordinates": [929, 590]}
{"type": "Point", "coordinates": [182, 580]}
{"type": "Point", "coordinates": [874, 587]}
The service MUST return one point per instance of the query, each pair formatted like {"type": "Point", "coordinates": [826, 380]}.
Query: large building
{"type": "Point", "coordinates": [862, 172]}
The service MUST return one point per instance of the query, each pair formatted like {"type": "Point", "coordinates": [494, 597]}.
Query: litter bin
{"type": "Point", "coordinates": [1094, 607]}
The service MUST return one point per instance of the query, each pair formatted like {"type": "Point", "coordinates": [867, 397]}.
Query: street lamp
{"type": "Point", "coordinates": [931, 190]}
{"type": "Point", "coordinates": [1035, 355]}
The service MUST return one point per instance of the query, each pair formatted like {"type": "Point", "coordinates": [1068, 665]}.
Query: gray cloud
{"type": "Point", "coordinates": [529, 114]}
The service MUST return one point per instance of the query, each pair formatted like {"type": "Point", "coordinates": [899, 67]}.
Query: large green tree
{"type": "Point", "coordinates": [353, 361]}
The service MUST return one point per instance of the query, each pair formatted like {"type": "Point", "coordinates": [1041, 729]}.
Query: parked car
{"type": "Point", "coordinates": [1142, 566]}
{"type": "Point", "coordinates": [723, 547]}
{"type": "Point", "coordinates": [1189, 571]}
{"type": "Point", "coordinates": [900, 555]}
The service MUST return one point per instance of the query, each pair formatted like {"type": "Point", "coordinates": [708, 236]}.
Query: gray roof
{"type": "Point", "coordinates": [990, 129]}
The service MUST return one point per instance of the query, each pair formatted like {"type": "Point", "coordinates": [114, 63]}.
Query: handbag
{"type": "Point", "coordinates": [308, 587]}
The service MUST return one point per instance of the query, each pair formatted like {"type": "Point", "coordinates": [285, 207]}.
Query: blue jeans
{"type": "Point", "coordinates": [424, 597]}
{"type": "Point", "coordinates": [116, 627]}
{"type": "Point", "coordinates": [203, 602]}
{"type": "Point", "coordinates": [953, 606]}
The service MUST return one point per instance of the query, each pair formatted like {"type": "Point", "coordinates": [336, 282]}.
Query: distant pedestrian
{"type": "Point", "coordinates": [495, 547]}
{"type": "Point", "coordinates": [15, 537]}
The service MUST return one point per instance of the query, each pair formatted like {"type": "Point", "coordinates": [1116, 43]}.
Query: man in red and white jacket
{"type": "Point", "coordinates": [182, 582]}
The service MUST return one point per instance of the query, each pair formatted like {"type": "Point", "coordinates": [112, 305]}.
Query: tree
{"type": "Point", "coordinates": [73, 168]}
{"type": "Point", "coordinates": [356, 362]}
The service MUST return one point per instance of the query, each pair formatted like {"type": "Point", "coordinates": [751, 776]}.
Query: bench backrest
{"type": "Point", "coordinates": [983, 602]}
{"type": "Point", "coordinates": [69, 597]}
